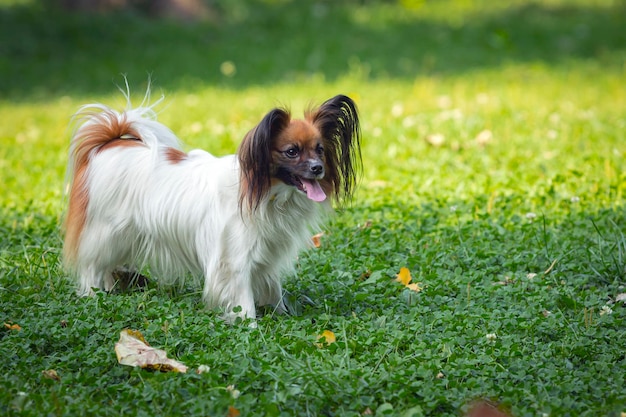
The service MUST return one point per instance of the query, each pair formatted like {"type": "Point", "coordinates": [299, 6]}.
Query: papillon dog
{"type": "Point", "coordinates": [137, 200]}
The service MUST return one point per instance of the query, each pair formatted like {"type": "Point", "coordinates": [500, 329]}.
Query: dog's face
{"type": "Point", "coordinates": [318, 155]}
{"type": "Point", "coordinates": [298, 158]}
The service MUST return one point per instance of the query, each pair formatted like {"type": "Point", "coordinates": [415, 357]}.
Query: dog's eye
{"type": "Point", "coordinates": [319, 150]}
{"type": "Point", "coordinates": [292, 152]}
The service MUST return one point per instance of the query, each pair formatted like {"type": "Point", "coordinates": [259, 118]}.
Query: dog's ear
{"type": "Point", "coordinates": [255, 157]}
{"type": "Point", "coordinates": [338, 121]}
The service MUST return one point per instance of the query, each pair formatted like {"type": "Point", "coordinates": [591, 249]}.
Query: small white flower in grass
{"type": "Point", "coordinates": [203, 369]}
{"type": "Point", "coordinates": [235, 393]}
{"type": "Point", "coordinates": [491, 337]}
{"type": "Point", "coordinates": [531, 216]}
{"type": "Point", "coordinates": [605, 310]}
{"type": "Point", "coordinates": [453, 208]}
{"type": "Point", "coordinates": [531, 275]}
{"type": "Point", "coordinates": [575, 199]}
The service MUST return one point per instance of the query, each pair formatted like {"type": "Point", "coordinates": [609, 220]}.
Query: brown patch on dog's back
{"type": "Point", "coordinates": [174, 155]}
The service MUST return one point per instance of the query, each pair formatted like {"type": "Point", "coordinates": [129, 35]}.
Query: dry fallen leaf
{"type": "Point", "coordinates": [51, 374]}
{"type": "Point", "coordinates": [13, 326]}
{"type": "Point", "coordinates": [232, 412]}
{"type": "Point", "coordinates": [620, 297]}
{"type": "Point", "coordinates": [317, 239]}
{"type": "Point", "coordinates": [133, 350]}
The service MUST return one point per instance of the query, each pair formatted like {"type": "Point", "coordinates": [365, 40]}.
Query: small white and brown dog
{"type": "Point", "coordinates": [137, 200]}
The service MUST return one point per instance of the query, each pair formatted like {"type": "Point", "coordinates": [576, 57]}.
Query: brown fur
{"type": "Point", "coordinates": [301, 132]}
{"type": "Point", "coordinates": [113, 131]}
{"type": "Point", "coordinates": [174, 155]}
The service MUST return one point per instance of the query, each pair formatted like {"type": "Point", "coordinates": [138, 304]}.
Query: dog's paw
{"type": "Point", "coordinates": [128, 279]}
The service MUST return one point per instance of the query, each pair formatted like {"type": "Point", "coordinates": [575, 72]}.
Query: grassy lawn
{"type": "Point", "coordinates": [493, 145]}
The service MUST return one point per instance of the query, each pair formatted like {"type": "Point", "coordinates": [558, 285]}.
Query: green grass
{"type": "Point", "coordinates": [473, 222]}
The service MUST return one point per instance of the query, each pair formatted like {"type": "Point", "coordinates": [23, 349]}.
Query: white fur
{"type": "Point", "coordinates": [184, 218]}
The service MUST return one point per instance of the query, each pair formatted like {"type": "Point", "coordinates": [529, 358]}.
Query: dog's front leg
{"type": "Point", "coordinates": [229, 287]}
{"type": "Point", "coordinates": [240, 302]}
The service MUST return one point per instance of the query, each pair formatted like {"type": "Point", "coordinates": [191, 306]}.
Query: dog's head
{"type": "Point", "coordinates": [318, 155]}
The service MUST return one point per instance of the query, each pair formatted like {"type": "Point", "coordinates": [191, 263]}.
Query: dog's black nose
{"type": "Point", "coordinates": [317, 169]}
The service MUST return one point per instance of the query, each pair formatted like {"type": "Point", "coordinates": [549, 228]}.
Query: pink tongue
{"type": "Point", "coordinates": [313, 190]}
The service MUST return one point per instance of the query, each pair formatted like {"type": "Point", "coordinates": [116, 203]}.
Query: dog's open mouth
{"type": "Point", "coordinates": [311, 187]}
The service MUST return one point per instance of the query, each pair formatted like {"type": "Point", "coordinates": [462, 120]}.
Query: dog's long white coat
{"type": "Point", "coordinates": [183, 217]}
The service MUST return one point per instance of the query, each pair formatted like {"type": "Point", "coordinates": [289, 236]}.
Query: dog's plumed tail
{"type": "Point", "coordinates": [99, 127]}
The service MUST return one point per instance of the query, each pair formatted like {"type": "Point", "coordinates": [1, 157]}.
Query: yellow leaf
{"type": "Point", "coordinates": [12, 326]}
{"type": "Point", "coordinates": [133, 350]}
{"type": "Point", "coordinates": [326, 338]}
{"type": "Point", "coordinates": [404, 277]}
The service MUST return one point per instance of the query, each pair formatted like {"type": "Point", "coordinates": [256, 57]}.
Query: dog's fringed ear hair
{"type": "Point", "coordinates": [338, 121]}
{"type": "Point", "coordinates": [255, 158]}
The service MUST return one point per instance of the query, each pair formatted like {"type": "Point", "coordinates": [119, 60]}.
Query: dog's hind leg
{"type": "Point", "coordinates": [99, 254]}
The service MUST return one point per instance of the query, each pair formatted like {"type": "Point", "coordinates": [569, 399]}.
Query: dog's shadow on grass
{"type": "Point", "coordinates": [51, 52]}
